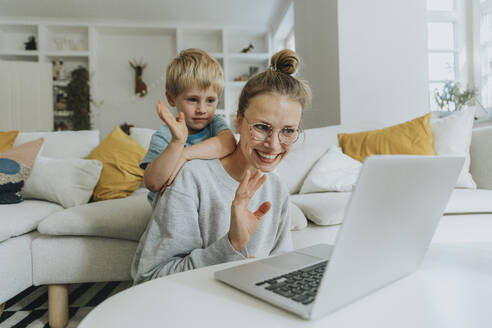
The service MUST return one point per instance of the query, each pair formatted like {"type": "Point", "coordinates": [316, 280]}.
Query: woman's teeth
{"type": "Point", "coordinates": [264, 155]}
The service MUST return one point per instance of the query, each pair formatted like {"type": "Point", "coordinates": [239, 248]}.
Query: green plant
{"type": "Point", "coordinates": [78, 99]}
{"type": "Point", "coordinates": [452, 98]}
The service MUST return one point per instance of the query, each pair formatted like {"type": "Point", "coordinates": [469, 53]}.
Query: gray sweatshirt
{"type": "Point", "coordinates": [190, 223]}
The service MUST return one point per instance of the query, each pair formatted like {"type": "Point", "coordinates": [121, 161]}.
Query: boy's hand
{"type": "Point", "coordinates": [177, 127]}
{"type": "Point", "coordinates": [243, 222]}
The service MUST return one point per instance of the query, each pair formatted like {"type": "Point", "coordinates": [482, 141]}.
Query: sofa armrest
{"type": "Point", "coordinates": [481, 157]}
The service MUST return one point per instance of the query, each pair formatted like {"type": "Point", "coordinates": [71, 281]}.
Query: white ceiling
{"type": "Point", "coordinates": [189, 12]}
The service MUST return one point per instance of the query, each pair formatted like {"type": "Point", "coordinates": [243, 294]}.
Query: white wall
{"type": "Point", "coordinates": [382, 49]}
{"type": "Point", "coordinates": [315, 29]}
{"type": "Point", "coordinates": [116, 79]}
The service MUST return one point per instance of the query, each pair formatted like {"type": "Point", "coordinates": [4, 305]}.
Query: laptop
{"type": "Point", "coordinates": [389, 222]}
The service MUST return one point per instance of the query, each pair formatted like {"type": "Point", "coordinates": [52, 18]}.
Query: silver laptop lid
{"type": "Point", "coordinates": [399, 199]}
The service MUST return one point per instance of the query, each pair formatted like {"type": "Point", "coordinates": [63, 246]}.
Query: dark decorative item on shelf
{"type": "Point", "coordinates": [61, 126]}
{"type": "Point", "coordinates": [244, 77]}
{"type": "Point", "coordinates": [125, 127]}
{"type": "Point", "coordinates": [140, 86]}
{"type": "Point", "coordinates": [31, 43]}
{"type": "Point", "coordinates": [452, 98]}
{"type": "Point", "coordinates": [58, 71]}
{"type": "Point", "coordinates": [247, 49]}
{"type": "Point", "coordinates": [78, 99]}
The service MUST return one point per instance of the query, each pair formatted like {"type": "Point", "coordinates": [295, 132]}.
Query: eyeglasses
{"type": "Point", "coordinates": [262, 131]}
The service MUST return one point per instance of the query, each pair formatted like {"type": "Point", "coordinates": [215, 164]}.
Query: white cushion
{"type": "Point", "coordinates": [142, 136]}
{"type": "Point", "coordinates": [123, 218]}
{"type": "Point", "coordinates": [63, 144]}
{"type": "Point", "coordinates": [328, 208]}
{"type": "Point", "coordinates": [334, 171]}
{"type": "Point", "coordinates": [325, 208]}
{"type": "Point", "coordinates": [315, 234]}
{"type": "Point", "coordinates": [452, 136]}
{"type": "Point", "coordinates": [469, 201]}
{"type": "Point", "coordinates": [18, 219]}
{"type": "Point", "coordinates": [68, 182]}
{"type": "Point", "coordinates": [297, 219]}
{"type": "Point", "coordinates": [309, 148]}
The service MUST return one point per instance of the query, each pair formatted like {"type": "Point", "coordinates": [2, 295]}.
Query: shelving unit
{"type": "Point", "coordinates": [106, 49]}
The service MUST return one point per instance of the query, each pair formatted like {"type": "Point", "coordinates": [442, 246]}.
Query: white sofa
{"type": "Point", "coordinates": [44, 244]}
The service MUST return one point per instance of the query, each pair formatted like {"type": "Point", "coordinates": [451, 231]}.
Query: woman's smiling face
{"type": "Point", "coordinates": [278, 112]}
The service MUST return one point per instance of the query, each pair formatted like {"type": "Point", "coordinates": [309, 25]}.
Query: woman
{"type": "Point", "coordinates": [225, 210]}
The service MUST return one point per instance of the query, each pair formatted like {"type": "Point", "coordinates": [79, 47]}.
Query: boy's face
{"type": "Point", "coordinates": [197, 105]}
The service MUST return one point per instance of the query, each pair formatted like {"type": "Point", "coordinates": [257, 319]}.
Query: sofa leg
{"type": "Point", "coordinates": [2, 306]}
{"type": "Point", "coordinates": [58, 305]}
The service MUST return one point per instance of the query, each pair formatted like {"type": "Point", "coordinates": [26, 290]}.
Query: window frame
{"type": "Point", "coordinates": [455, 17]}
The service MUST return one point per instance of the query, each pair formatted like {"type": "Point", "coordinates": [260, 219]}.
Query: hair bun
{"type": "Point", "coordinates": [285, 61]}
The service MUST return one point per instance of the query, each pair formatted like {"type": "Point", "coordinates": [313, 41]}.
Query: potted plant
{"type": "Point", "coordinates": [78, 99]}
{"type": "Point", "coordinates": [452, 98]}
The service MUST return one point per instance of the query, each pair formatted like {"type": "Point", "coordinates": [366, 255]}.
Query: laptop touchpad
{"type": "Point", "coordinates": [290, 261]}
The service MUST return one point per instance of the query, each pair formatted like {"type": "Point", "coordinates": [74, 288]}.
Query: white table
{"type": "Point", "coordinates": [453, 288]}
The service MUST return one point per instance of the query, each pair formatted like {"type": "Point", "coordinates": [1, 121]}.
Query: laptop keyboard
{"type": "Point", "coordinates": [300, 285]}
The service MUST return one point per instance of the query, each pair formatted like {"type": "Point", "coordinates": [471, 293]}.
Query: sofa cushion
{"type": "Point", "coordinates": [309, 148]}
{"type": "Point", "coordinates": [452, 136]}
{"type": "Point", "coordinates": [470, 201]}
{"type": "Point", "coordinates": [412, 137]}
{"type": "Point", "coordinates": [18, 219]}
{"type": "Point", "coordinates": [63, 144]}
{"type": "Point", "coordinates": [142, 136]}
{"type": "Point", "coordinates": [7, 139]}
{"type": "Point", "coordinates": [68, 181]}
{"type": "Point", "coordinates": [121, 174]}
{"type": "Point", "coordinates": [297, 218]}
{"type": "Point", "coordinates": [325, 208]}
{"type": "Point", "coordinates": [15, 168]}
{"type": "Point", "coordinates": [123, 218]}
{"type": "Point", "coordinates": [328, 208]}
{"type": "Point", "coordinates": [334, 171]}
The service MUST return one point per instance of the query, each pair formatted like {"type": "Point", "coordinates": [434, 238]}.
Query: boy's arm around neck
{"type": "Point", "coordinates": [219, 146]}
{"type": "Point", "coordinates": [159, 170]}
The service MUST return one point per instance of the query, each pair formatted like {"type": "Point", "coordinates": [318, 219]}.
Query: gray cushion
{"type": "Point", "coordinates": [123, 218]}
{"type": "Point", "coordinates": [18, 219]}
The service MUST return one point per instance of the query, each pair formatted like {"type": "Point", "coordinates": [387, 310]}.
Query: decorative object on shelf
{"type": "Point", "coordinates": [61, 126]}
{"type": "Point", "coordinates": [247, 49]}
{"type": "Point", "coordinates": [140, 86]}
{"type": "Point", "coordinates": [452, 98]}
{"type": "Point", "coordinates": [78, 99]}
{"type": "Point", "coordinates": [125, 127]}
{"type": "Point", "coordinates": [31, 43]}
{"type": "Point", "coordinates": [244, 77]}
{"type": "Point", "coordinates": [58, 70]}
{"type": "Point", "coordinates": [61, 100]}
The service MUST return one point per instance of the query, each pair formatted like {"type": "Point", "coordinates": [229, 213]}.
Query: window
{"type": "Point", "coordinates": [443, 45]}
{"type": "Point", "coordinates": [484, 67]}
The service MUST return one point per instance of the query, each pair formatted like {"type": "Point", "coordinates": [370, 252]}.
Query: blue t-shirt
{"type": "Point", "coordinates": [162, 137]}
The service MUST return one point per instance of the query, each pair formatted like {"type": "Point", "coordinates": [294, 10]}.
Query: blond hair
{"type": "Point", "coordinates": [277, 79]}
{"type": "Point", "coordinates": [193, 67]}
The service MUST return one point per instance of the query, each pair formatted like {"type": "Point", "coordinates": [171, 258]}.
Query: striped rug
{"type": "Point", "coordinates": [30, 308]}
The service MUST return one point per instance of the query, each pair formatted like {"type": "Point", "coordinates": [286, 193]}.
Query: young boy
{"type": "Point", "coordinates": [194, 83]}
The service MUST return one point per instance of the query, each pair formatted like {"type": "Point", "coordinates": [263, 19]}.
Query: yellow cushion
{"type": "Point", "coordinates": [120, 175]}
{"type": "Point", "coordinates": [7, 140]}
{"type": "Point", "coordinates": [411, 138]}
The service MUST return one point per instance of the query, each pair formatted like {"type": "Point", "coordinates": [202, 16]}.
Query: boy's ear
{"type": "Point", "coordinates": [170, 99]}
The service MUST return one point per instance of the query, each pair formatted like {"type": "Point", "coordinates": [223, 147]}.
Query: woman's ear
{"type": "Point", "coordinates": [170, 99]}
